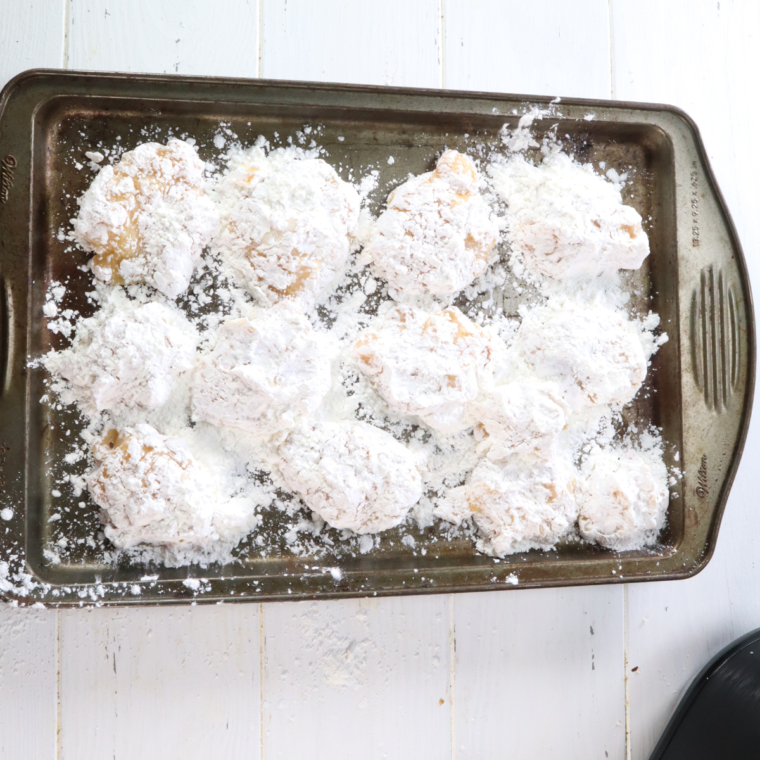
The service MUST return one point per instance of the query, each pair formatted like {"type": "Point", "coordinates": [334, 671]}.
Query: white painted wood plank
{"type": "Point", "coordinates": [362, 678]}
{"type": "Point", "coordinates": [28, 696]}
{"type": "Point", "coordinates": [160, 683]}
{"type": "Point", "coordinates": [390, 42]}
{"type": "Point", "coordinates": [703, 57]}
{"type": "Point", "coordinates": [31, 36]}
{"type": "Point", "coordinates": [170, 36]}
{"type": "Point", "coordinates": [539, 674]}
{"type": "Point", "coordinates": [542, 47]}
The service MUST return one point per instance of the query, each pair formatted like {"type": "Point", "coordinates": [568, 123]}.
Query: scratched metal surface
{"type": "Point", "coordinates": [699, 389]}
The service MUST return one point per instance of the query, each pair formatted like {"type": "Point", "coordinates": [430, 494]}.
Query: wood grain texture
{"type": "Point", "coordinates": [703, 57]}
{"type": "Point", "coordinates": [160, 683]}
{"type": "Point", "coordinates": [167, 37]}
{"type": "Point", "coordinates": [391, 42]}
{"type": "Point", "coordinates": [539, 674]}
{"type": "Point", "coordinates": [542, 47]}
{"type": "Point", "coordinates": [31, 36]}
{"type": "Point", "coordinates": [362, 678]}
{"type": "Point", "coordinates": [28, 693]}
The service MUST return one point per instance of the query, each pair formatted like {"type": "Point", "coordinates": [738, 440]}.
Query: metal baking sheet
{"type": "Point", "coordinates": [699, 389]}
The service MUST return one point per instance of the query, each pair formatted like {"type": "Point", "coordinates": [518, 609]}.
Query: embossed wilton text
{"type": "Point", "coordinates": [7, 166]}
{"type": "Point", "coordinates": [3, 451]}
{"type": "Point", "coordinates": [702, 478]}
{"type": "Point", "coordinates": [694, 208]}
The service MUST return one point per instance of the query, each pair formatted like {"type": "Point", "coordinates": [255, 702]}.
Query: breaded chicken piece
{"type": "Point", "coordinates": [436, 234]}
{"type": "Point", "coordinates": [147, 218]}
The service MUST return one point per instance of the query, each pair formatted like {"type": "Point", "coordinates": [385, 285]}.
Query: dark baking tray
{"type": "Point", "coordinates": [699, 391]}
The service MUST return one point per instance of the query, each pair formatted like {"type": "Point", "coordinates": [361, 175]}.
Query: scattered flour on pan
{"type": "Point", "coordinates": [288, 371]}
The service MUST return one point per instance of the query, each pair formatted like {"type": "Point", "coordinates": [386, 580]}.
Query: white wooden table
{"type": "Point", "coordinates": [575, 673]}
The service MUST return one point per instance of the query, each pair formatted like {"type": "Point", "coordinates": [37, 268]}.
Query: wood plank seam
{"type": "Point", "coordinates": [66, 17]}
{"type": "Point", "coordinates": [612, 51]}
{"type": "Point", "coordinates": [452, 674]}
{"type": "Point", "coordinates": [441, 43]}
{"type": "Point", "coordinates": [262, 639]}
{"type": "Point", "coordinates": [58, 684]}
{"type": "Point", "coordinates": [259, 36]}
{"type": "Point", "coordinates": [626, 692]}
{"type": "Point", "coordinates": [626, 675]}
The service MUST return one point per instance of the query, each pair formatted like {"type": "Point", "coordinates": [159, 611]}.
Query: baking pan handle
{"type": "Point", "coordinates": [718, 346]}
